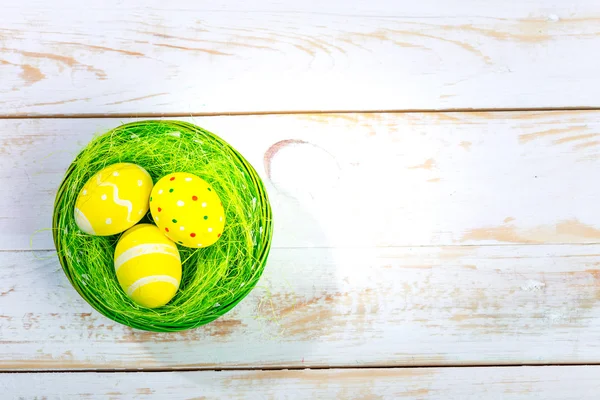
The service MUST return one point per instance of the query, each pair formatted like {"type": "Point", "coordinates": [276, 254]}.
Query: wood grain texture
{"type": "Point", "coordinates": [395, 306]}
{"type": "Point", "coordinates": [235, 56]}
{"type": "Point", "coordinates": [368, 180]}
{"type": "Point", "coordinates": [514, 383]}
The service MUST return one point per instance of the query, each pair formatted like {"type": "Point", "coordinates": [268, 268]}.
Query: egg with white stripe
{"type": "Point", "coordinates": [113, 200]}
{"type": "Point", "coordinates": [148, 266]}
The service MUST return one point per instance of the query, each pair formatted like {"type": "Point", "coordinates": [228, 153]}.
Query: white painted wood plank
{"type": "Point", "coordinates": [513, 383]}
{"type": "Point", "coordinates": [342, 180]}
{"type": "Point", "coordinates": [68, 57]}
{"type": "Point", "coordinates": [458, 305]}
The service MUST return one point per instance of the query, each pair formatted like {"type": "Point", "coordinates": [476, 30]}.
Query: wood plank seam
{"type": "Point", "coordinates": [296, 368]}
{"type": "Point", "coordinates": [299, 112]}
{"type": "Point", "coordinates": [449, 245]}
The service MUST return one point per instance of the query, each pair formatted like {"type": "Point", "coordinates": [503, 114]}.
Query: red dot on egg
{"type": "Point", "coordinates": [172, 178]}
{"type": "Point", "coordinates": [195, 198]}
{"type": "Point", "coordinates": [192, 234]}
{"type": "Point", "coordinates": [167, 229]}
{"type": "Point", "coordinates": [219, 235]}
{"type": "Point", "coordinates": [159, 209]}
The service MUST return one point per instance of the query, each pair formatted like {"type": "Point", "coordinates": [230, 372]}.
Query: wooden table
{"type": "Point", "coordinates": [432, 166]}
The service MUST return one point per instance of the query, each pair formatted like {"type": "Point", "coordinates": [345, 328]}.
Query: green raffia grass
{"type": "Point", "coordinates": [214, 279]}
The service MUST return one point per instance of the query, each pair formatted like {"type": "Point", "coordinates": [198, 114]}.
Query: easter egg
{"type": "Point", "coordinates": [187, 210]}
{"type": "Point", "coordinates": [113, 200]}
{"type": "Point", "coordinates": [148, 266]}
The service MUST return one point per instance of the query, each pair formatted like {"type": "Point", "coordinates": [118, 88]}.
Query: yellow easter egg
{"type": "Point", "coordinates": [148, 266]}
{"type": "Point", "coordinates": [187, 210]}
{"type": "Point", "coordinates": [113, 200]}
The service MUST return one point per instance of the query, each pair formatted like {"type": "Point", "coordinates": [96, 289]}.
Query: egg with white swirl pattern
{"type": "Point", "coordinates": [113, 200]}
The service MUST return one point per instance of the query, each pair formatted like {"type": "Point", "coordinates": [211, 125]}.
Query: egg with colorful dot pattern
{"type": "Point", "coordinates": [113, 200]}
{"type": "Point", "coordinates": [148, 266]}
{"type": "Point", "coordinates": [187, 210]}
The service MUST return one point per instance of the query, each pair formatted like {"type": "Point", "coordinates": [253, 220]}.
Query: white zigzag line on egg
{"type": "Point", "coordinates": [116, 199]}
{"type": "Point", "coordinates": [143, 249]}
{"type": "Point", "coordinates": [151, 279]}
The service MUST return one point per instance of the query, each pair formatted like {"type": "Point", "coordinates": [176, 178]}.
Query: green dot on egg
{"type": "Point", "coordinates": [206, 217]}
{"type": "Point", "coordinates": [171, 190]}
{"type": "Point", "coordinates": [174, 221]}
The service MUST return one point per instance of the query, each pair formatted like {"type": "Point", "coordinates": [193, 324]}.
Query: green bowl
{"type": "Point", "coordinates": [214, 279]}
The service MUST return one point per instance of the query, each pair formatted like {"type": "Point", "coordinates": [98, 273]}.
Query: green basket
{"type": "Point", "coordinates": [214, 279]}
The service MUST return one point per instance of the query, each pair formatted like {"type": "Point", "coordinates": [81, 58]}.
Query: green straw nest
{"type": "Point", "coordinates": [215, 278]}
